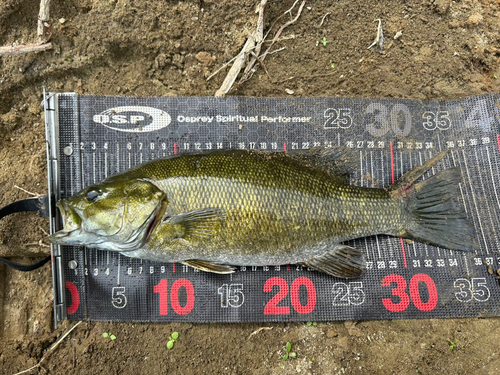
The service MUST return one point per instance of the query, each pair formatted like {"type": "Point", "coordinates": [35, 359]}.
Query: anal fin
{"type": "Point", "coordinates": [208, 266]}
{"type": "Point", "coordinates": [342, 261]}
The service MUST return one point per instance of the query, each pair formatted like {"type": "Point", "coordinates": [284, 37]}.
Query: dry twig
{"type": "Point", "coordinates": [27, 192]}
{"type": "Point", "coordinates": [243, 55]}
{"type": "Point", "coordinates": [379, 38]}
{"type": "Point", "coordinates": [258, 330]}
{"type": "Point", "coordinates": [250, 70]}
{"type": "Point", "coordinates": [44, 32]}
{"type": "Point", "coordinates": [17, 50]}
{"type": "Point", "coordinates": [252, 48]}
{"type": "Point", "coordinates": [50, 350]}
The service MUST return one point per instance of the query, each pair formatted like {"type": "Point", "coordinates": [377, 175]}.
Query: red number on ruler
{"type": "Point", "coordinates": [174, 296]}
{"type": "Point", "coordinates": [311, 295]}
{"type": "Point", "coordinates": [400, 291]}
{"type": "Point", "coordinates": [415, 294]}
{"type": "Point", "coordinates": [162, 290]}
{"type": "Point", "coordinates": [75, 298]}
{"type": "Point", "coordinates": [272, 309]}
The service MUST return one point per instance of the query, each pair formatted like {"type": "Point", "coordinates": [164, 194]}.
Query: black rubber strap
{"type": "Point", "coordinates": [24, 267]}
{"type": "Point", "coordinates": [41, 205]}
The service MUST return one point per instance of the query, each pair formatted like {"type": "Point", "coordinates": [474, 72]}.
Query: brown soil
{"type": "Point", "coordinates": [448, 49]}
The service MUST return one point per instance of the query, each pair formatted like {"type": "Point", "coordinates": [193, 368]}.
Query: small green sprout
{"type": "Point", "coordinates": [324, 41]}
{"type": "Point", "coordinates": [332, 64]}
{"type": "Point", "coordinates": [453, 344]}
{"type": "Point", "coordinates": [317, 43]}
{"type": "Point", "coordinates": [314, 324]}
{"type": "Point", "coordinates": [172, 339]}
{"type": "Point", "coordinates": [111, 336]}
{"type": "Point", "coordinates": [289, 353]}
{"type": "Point", "coordinates": [495, 76]}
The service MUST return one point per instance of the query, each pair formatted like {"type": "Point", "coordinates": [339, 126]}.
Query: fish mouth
{"type": "Point", "coordinates": [71, 225]}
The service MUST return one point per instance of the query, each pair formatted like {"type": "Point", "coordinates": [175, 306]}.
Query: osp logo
{"type": "Point", "coordinates": [133, 119]}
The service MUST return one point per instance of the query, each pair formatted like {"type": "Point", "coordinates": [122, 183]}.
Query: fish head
{"type": "Point", "coordinates": [116, 215]}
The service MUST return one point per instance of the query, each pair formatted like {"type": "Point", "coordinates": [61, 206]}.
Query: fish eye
{"type": "Point", "coordinates": [91, 195]}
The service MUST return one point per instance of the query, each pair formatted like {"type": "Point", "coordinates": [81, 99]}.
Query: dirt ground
{"type": "Point", "coordinates": [448, 49]}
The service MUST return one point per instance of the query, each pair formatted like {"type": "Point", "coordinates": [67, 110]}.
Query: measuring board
{"type": "Point", "coordinates": [93, 137]}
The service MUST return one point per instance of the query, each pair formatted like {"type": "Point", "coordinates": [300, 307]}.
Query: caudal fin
{"type": "Point", "coordinates": [435, 215]}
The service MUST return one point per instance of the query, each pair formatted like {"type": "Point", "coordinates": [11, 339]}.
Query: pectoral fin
{"type": "Point", "coordinates": [207, 266]}
{"type": "Point", "coordinates": [341, 261]}
{"type": "Point", "coordinates": [197, 223]}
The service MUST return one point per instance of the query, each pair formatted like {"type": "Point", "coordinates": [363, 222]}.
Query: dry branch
{"type": "Point", "coordinates": [50, 350]}
{"type": "Point", "coordinates": [243, 55]}
{"type": "Point", "coordinates": [252, 48]}
{"type": "Point", "coordinates": [44, 32]}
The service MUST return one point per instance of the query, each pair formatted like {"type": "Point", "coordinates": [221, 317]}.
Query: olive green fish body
{"type": "Point", "coordinates": [244, 207]}
{"type": "Point", "coordinates": [273, 209]}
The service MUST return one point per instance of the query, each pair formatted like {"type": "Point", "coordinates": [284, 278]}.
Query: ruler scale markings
{"type": "Point", "coordinates": [475, 204]}
{"type": "Point", "coordinates": [366, 240]}
{"type": "Point", "coordinates": [392, 164]}
{"type": "Point", "coordinates": [117, 157]}
{"type": "Point", "coordinates": [460, 185]}
{"type": "Point", "coordinates": [373, 185]}
{"type": "Point", "coordinates": [466, 264]}
{"type": "Point", "coordinates": [361, 168]}
{"type": "Point", "coordinates": [487, 206]}
{"type": "Point", "coordinates": [93, 167]}
{"type": "Point", "coordinates": [492, 177]}
{"type": "Point", "coordinates": [118, 269]}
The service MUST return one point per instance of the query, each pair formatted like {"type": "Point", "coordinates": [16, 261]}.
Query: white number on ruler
{"type": "Point", "coordinates": [231, 295]}
{"type": "Point", "coordinates": [474, 288]}
{"type": "Point", "coordinates": [440, 120]}
{"type": "Point", "coordinates": [337, 118]}
{"type": "Point", "coordinates": [118, 298]}
{"type": "Point", "coordinates": [385, 121]}
{"type": "Point", "coordinates": [479, 116]}
{"type": "Point", "coordinates": [348, 294]}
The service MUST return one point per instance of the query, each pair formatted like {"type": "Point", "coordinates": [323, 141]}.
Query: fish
{"type": "Point", "coordinates": [215, 210]}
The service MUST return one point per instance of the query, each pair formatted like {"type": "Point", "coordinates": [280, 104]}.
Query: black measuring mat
{"type": "Point", "coordinates": [93, 137]}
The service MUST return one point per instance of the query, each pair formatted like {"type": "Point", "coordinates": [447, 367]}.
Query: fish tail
{"type": "Point", "coordinates": [434, 214]}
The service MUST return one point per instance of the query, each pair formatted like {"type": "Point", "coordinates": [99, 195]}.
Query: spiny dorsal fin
{"type": "Point", "coordinates": [341, 261]}
{"type": "Point", "coordinates": [207, 266]}
{"type": "Point", "coordinates": [338, 161]}
{"type": "Point", "coordinates": [197, 223]}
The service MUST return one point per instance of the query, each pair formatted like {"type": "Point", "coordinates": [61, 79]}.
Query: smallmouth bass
{"type": "Point", "coordinates": [215, 210]}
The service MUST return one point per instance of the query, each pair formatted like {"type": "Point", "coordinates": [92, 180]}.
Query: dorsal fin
{"type": "Point", "coordinates": [337, 161]}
